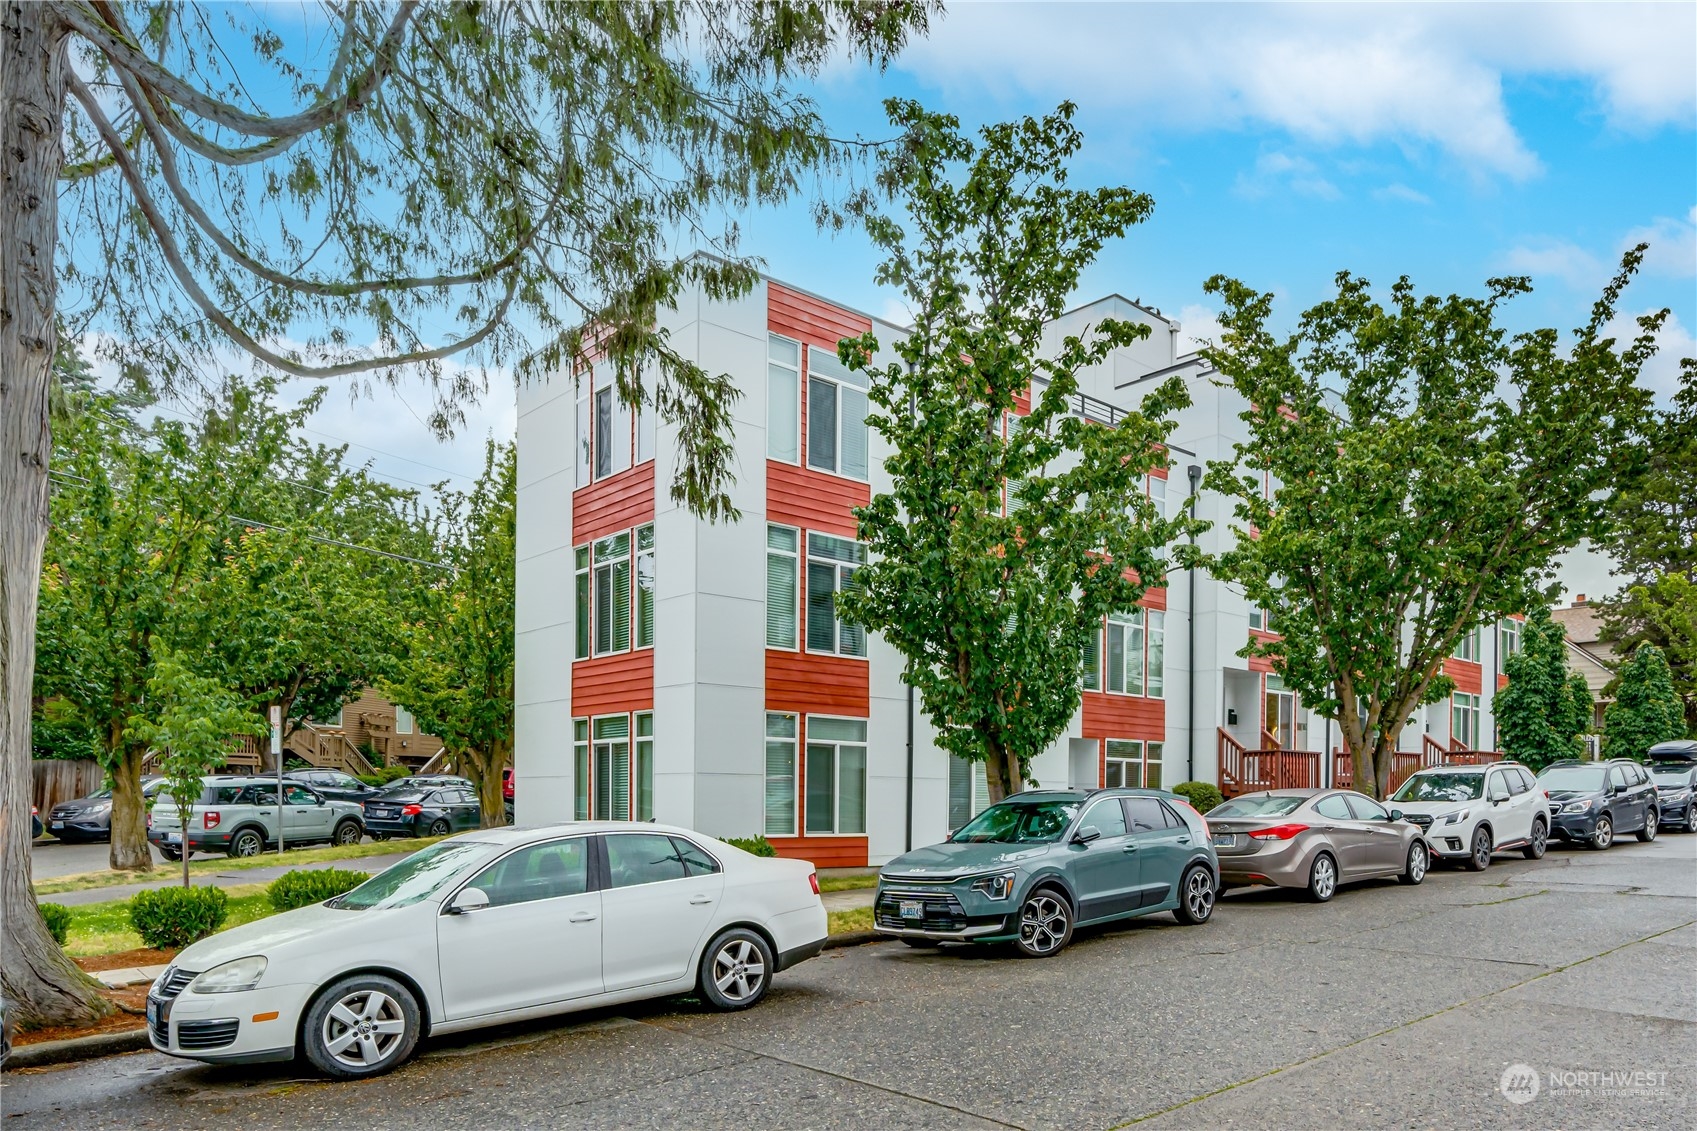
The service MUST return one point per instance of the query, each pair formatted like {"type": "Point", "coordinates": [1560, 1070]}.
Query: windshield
{"type": "Point", "coordinates": [1266, 806]}
{"type": "Point", "coordinates": [100, 795]}
{"type": "Point", "coordinates": [1586, 779]}
{"type": "Point", "coordinates": [1441, 787]}
{"type": "Point", "coordinates": [418, 877]}
{"type": "Point", "coordinates": [1671, 775]}
{"type": "Point", "coordinates": [1019, 822]}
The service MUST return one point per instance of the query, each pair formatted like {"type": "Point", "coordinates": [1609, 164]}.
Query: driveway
{"type": "Point", "coordinates": [1389, 1007]}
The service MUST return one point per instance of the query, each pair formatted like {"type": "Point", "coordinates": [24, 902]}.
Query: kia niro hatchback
{"type": "Point", "coordinates": [1028, 870]}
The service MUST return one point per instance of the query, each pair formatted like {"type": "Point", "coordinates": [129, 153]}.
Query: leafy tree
{"type": "Point", "coordinates": [1005, 538]}
{"type": "Point", "coordinates": [187, 722]}
{"type": "Point", "coordinates": [1428, 470]}
{"type": "Point", "coordinates": [454, 172]}
{"type": "Point", "coordinates": [1646, 709]}
{"type": "Point", "coordinates": [455, 668]}
{"type": "Point", "coordinates": [1536, 721]}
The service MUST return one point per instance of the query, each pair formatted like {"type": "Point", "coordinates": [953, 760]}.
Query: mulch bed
{"type": "Point", "coordinates": [118, 1021]}
{"type": "Point", "coordinates": [125, 959]}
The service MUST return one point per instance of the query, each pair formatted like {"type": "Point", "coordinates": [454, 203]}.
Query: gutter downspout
{"type": "Point", "coordinates": [1194, 472]}
{"type": "Point", "coordinates": [912, 411]}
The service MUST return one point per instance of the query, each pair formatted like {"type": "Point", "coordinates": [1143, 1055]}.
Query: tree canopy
{"type": "Point", "coordinates": [1005, 536]}
{"type": "Point", "coordinates": [1646, 709]}
{"type": "Point", "coordinates": [1543, 711]}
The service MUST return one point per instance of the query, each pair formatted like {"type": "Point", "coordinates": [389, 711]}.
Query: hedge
{"type": "Point", "coordinates": [756, 845]}
{"type": "Point", "coordinates": [303, 887]}
{"type": "Point", "coordinates": [58, 918]}
{"type": "Point", "coordinates": [171, 918]}
{"type": "Point", "coordinates": [1200, 794]}
{"type": "Point", "coordinates": [384, 775]}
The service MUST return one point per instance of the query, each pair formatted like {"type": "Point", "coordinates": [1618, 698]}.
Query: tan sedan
{"type": "Point", "coordinates": [1314, 839]}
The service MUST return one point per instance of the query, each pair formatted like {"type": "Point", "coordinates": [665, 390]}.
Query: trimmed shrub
{"type": "Point", "coordinates": [172, 918]}
{"type": "Point", "coordinates": [302, 887]}
{"type": "Point", "coordinates": [1200, 794]}
{"type": "Point", "coordinates": [384, 775]}
{"type": "Point", "coordinates": [58, 918]}
{"type": "Point", "coordinates": [755, 845]}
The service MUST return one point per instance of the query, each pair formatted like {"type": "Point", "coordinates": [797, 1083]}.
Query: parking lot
{"type": "Point", "coordinates": [1390, 1006]}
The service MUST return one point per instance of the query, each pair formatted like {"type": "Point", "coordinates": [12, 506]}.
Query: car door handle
{"type": "Point", "coordinates": [583, 917]}
{"type": "Point", "coordinates": [1184, 840]}
{"type": "Point", "coordinates": [1128, 848]}
{"type": "Point", "coordinates": [698, 900]}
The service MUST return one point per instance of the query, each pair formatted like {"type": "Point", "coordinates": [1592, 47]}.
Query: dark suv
{"type": "Point", "coordinates": [1593, 802]}
{"type": "Point", "coordinates": [1673, 767]}
{"type": "Point", "coordinates": [334, 784]}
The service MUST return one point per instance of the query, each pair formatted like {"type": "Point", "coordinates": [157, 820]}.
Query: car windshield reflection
{"type": "Point", "coordinates": [416, 878]}
{"type": "Point", "coordinates": [1018, 822]}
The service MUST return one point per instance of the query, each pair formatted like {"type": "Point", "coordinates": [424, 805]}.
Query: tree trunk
{"type": "Point", "coordinates": [41, 985]}
{"type": "Point", "coordinates": [484, 768]}
{"type": "Point", "coordinates": [130, 850]}
{"type": "Point", "coordinates": [1001, 773]}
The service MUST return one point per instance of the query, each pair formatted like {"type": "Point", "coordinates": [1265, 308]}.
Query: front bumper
{"type": "Point", "coordinates": [1676, 813]}
{"type": "Point", "coordinates": [247, 1027]}
{"type": "Point", "coordinates": [1574, 826]}
{"type": "Point", "coordinates": [943, 915]}
{"type": "Point", "coordinates": [1447, 841]}
{"type": "Point", "coordinates": [78, 828]}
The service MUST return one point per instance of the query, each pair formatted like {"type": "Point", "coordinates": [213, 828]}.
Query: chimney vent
{"type": "Point", "coordinates": [1579, 600]}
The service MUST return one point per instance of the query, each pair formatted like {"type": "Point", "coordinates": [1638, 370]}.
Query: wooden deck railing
{"type": "Point", "coordinates": [1404, 763]}
{"type": "Point", "coordinates": [1245, 771]}
{"type": "Point", "coordinates": [1472, 757]}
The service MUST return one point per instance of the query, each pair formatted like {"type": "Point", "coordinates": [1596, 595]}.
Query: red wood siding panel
{"type": "Point", "coordinates": [822, 685]}
{"type": "Point", "coordinates": [823, 851]}
{"type": "Point", "coordinates": [609, 685]}
{"type": "Point", "coordinates": [1468, 676]}
{"type": "Point", "coordinates": [1124, 716]}
{"type": "Point", "coordinates": [811, 321]}
{"type": "Point", "coordinates": [1261, 664]}
{"type": "Point", "coordinates": [1155, 599]}
{"type": "Point", "coordinates": [1502, 682]}
{"type": "Point", "coordinates": [615, 503]}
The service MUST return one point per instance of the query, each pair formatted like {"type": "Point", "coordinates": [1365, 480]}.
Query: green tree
{"type": "Point", "coordinates": [455, 668]}
{"type": "Point", "coordinates": [1005, 538]}
{"type": "Point", "coordinates": [188, 723]}
{"type": "Point", "coordinates": [1646, 709]}
{"type": "Point", "coordinates": [383, 188]}
{"type": "Point", "coordinates": [1536, 721]}
{"type": "Point", "coordinates": [1428, 469]}
{"type": "Point", "coordinates": [1578, 709]}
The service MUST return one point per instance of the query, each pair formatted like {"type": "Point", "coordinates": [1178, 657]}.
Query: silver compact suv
{"type": "Point", "coordinates": [238, 816]}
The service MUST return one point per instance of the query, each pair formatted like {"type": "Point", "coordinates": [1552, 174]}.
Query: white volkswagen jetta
{"type": "Point", "coordinates": [489, 927]}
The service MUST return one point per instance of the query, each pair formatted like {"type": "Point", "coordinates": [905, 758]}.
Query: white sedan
{"type": "Point", "coordinates": [486, 928]}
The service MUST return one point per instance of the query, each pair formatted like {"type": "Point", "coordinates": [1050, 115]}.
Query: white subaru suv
{"type": "Point", "coordinates": [1469, 812]}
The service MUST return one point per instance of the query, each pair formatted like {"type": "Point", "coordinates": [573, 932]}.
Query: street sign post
{"type": "Point", "coordinates": [277, 753]}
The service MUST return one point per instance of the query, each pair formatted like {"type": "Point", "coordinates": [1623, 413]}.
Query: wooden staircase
{"type": "Point", "coordinates": [1245, 771]}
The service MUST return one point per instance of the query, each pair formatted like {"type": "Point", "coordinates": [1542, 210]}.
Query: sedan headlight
{"type": "Point", "coordinates": [999, 886]}
{"type": "Point", "coordinates": [242, 974]}
{"type": "Point", "coordinates": [1577, 806]}
{"type": "Point", "coordinates": [1677, 796]}
{"type": "Point", "coordinates": [98, 809]}
{"type": "Point", "coordinates": [1456, 818]}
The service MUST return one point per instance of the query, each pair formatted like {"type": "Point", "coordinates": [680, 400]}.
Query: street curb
{"type": "Point", "coordinates": [850, 938]}
{"type": "Point", "coordinates": [78, 1048]}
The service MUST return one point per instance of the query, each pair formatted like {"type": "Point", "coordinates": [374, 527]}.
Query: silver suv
{"type": "Point", "coordinates": [238, 816]}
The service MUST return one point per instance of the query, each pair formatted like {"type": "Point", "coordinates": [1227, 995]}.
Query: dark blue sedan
{"type": "Point", "coordinates": [426, 811]}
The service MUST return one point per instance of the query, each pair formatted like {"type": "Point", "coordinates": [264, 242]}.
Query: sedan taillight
{"type": "Point", "coordinates": [1279, 832]}
{"type": "Point", "coordinates": [813, 881]}
{"type": "Point", "coordinates": [411, 810]}
{"type": "Point", "coordinates": [211, 818]}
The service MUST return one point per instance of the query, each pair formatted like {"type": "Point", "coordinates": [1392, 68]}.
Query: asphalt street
{"type": "Point", "coordinates": [1389, 1007]}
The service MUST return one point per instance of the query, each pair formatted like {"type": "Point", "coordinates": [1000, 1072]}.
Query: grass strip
{"type": "Point", "coordinates": [212, 865]}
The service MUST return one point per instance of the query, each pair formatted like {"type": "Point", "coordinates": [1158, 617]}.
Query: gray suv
{"type": "Point", "coordinates": [238, 816]}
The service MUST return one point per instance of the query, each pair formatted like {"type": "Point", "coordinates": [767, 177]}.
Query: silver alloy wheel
{"type": "Point", "coordinates": [246, 844]}
{"type": "Point", "coordinates": [738, 970]}
{"type": "Point", "coordinates": [1652, 821]}
{"type": "Point", "coordinates": [1481, 849]}
{"type": "Point", "coordinates": [1604, 835]}
{"type": "Point", "coordinates": [1540, 838]}
{"type": "Point", "coordinates": [349, 833]}
{"type": "Point", "coordinates": [362, 1029]}
{"type": "Point", "coordinates": [1199, 894]}
{"type": "Point", "coordinates": [1325, 878]}
{"type": "Point", "coordinates": [1042, 923]}
{"type": "Point", "coordinates": [1417, 863]}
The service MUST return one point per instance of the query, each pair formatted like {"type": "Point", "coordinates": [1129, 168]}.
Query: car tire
{"type": "Point", "coordinates": [1045, 924]}
{"type": "Point", "coordinates": [246, 842]}
{"type": "Point", "coordinates": [332, 1032]}
{"type": "Point", "coordinates": [1419, 862]}
{"type": "Point", "coordinates": [379, 836]}
{"type": "Point", "coordinates": [1323, 878]}
{"type": "Point", "coordinates": [1197, 893]}
{"type": "Point", "coordinates": [736, 970]}
{"type": "Point", "coordinates": [1539, 841]}
{"type": "Point", "coordinates": [1652, 825]}
{"type": "Point", "coordinates": [439, 827]}
{"type": "Point", "coordinates": [1479, 855]}
{"type": "Point", "coordinates": [1603, 835]}
{"type": "Point", "coordinates": [170, 854]}
{"type": "Point", "coordinates": [349, 832]}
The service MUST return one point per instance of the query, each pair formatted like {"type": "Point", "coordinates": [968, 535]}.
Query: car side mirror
{"type": "Point", "coordinates": [1396, 814]}
{"type": "Point", "coordinates": [469, 900]}
{"type": "Point", "coordinates": [1087, 834]}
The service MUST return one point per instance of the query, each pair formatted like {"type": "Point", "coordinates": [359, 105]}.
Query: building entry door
{"type": "Point", "coordinates": [1280, 719]}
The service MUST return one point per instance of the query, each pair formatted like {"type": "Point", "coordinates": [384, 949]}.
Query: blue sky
{"type": "Point", "coordinates": [1285, 143]}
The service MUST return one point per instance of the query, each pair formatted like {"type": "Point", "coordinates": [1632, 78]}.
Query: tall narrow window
{"type": "Point", "coordinates": [1134, 659]}
{"type": "Point", "coordinates": [781, 598]}
{"type": "Point", "coordinates": [1464, 720]}
{"type": "Point", "coordinates": [1117, 629]}
{"type": "Point", "coordinates": [612, 594]}
{"type": "Point", "coordinates": [780, 775]}
{"type": "Point", "coordinates": [1158, 495]}
{"type": "Point", "coordinates": [645, 766]}
{"type": "Point", "coordinates": [403, 721]}
{"type": "Point", "coordinates": [612, 768]}
{"type": "Point", "coordinates": [612, 424]}
{"type": "Point", "coordinates": [582, 611]}
{"type": "Point", "coordinates": [645, 586]}
{"type": "Point", "coordinates": [1093, 661]}
{"type": "Point", "coordinates": [837, 439]}
{"type": "Point", "coordinates": [645, 420]}
{"type": "Point", "coordinates": [603, 430]}
{"type": "Point", "coordinates": [584, 423]}
{"type": "Point", "coordinates": [836, 775]}
{"type": "Point", "coordinates": [969, 791]}
{"type": "Point", "coordinates": [1157, 673]}
{"type": "Point", "coordinates": [1152, 765]}
{"type": "Point", "coordinates": [1467, 648]}
{"type": "Point", "coordinates": [580, 766]}
{"type": "Point", "coordinates": [1508, 639]}
{"type": "Point", "coordinates": [831, 563]}
{"type": "Point", "coordinates": [783, 399]}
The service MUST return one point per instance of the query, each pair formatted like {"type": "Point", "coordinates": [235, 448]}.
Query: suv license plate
{"type": "Point", "coordinates": [912, 909]}
{"type": "Point", "coordinates": [1225, 840]}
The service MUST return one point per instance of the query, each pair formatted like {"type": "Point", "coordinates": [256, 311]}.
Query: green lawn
{"type": "Point", "coordinates": [842, 922]}
{"type": "Point", "coordinates": [848, 883]}
{"type": "Point", "coordinates": [104, 928]}
{"type": "Point", "coordinates": [201, 865]}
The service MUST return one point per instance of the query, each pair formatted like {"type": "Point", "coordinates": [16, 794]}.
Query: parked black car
{"type": "Point", "coordinates": [1593, 802]}
{"type": "Point", "coordinates": [430, 810]}
{"type": "Point", "coordinates": [1673, 767]}
{"type": "Point", "coordinates": [85, 819]}
{"type": "Point", "coordinates": [334, 784]}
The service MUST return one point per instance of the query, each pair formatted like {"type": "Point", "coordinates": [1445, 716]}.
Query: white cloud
{"type": "Point", "coordinates": [1673, 245]}
{"type": "Point", "coordinates": [1566, 261]}
{"type": "Point", "coordinates": [1414, 75]}
{"type": "Point", "coordinates": [1673, 342]}
{"type": "Point", "coordinates": [1198, 326]}
{"type": "Point", "coordinates": [1281, 170]}
{"type": "Point", "coordinates": [1401, 193]}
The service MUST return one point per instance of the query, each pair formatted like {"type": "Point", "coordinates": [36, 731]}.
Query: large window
{"type": "Point", "coordinates": [783, 400]}
{"type": "Point", "coordinates": [1260, 619]}
{"type": "Point", "coordinates": [831, 563]}
{"type": "Point", "coordinates": [1127, 661]}
{"type": "Point", "coordinates": [1508, 639]}
{"type": "Point", "coordinates": [969, 790]}
{"type": "Point", "coordinates": [645, 766]}
{"type": "Point", "coordinates": [836, 775]}
{"type": "Point", "coordinates": [1132, 764]}
{"type": "Point", "coordinates": [645, 586]}
{"type": "Point", "coordinates": [583, 619]}
{"type": "Point", "coordinates": [782, 569]}
{"type": "Point", "coordinates": [836, 416]}
{"type": "Point", "coordinates": [780, 774]}
{"type": "Point", "coordinates": [612, 594]}
{"type": "Point", "coordinates": [612, 768]}
{"type": "Point", "coordinates": [1464, 720]}
{"type": "Point", "coordinates": [580, 769]}
{"type": "Point", "coordinates": [1467, 648]}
